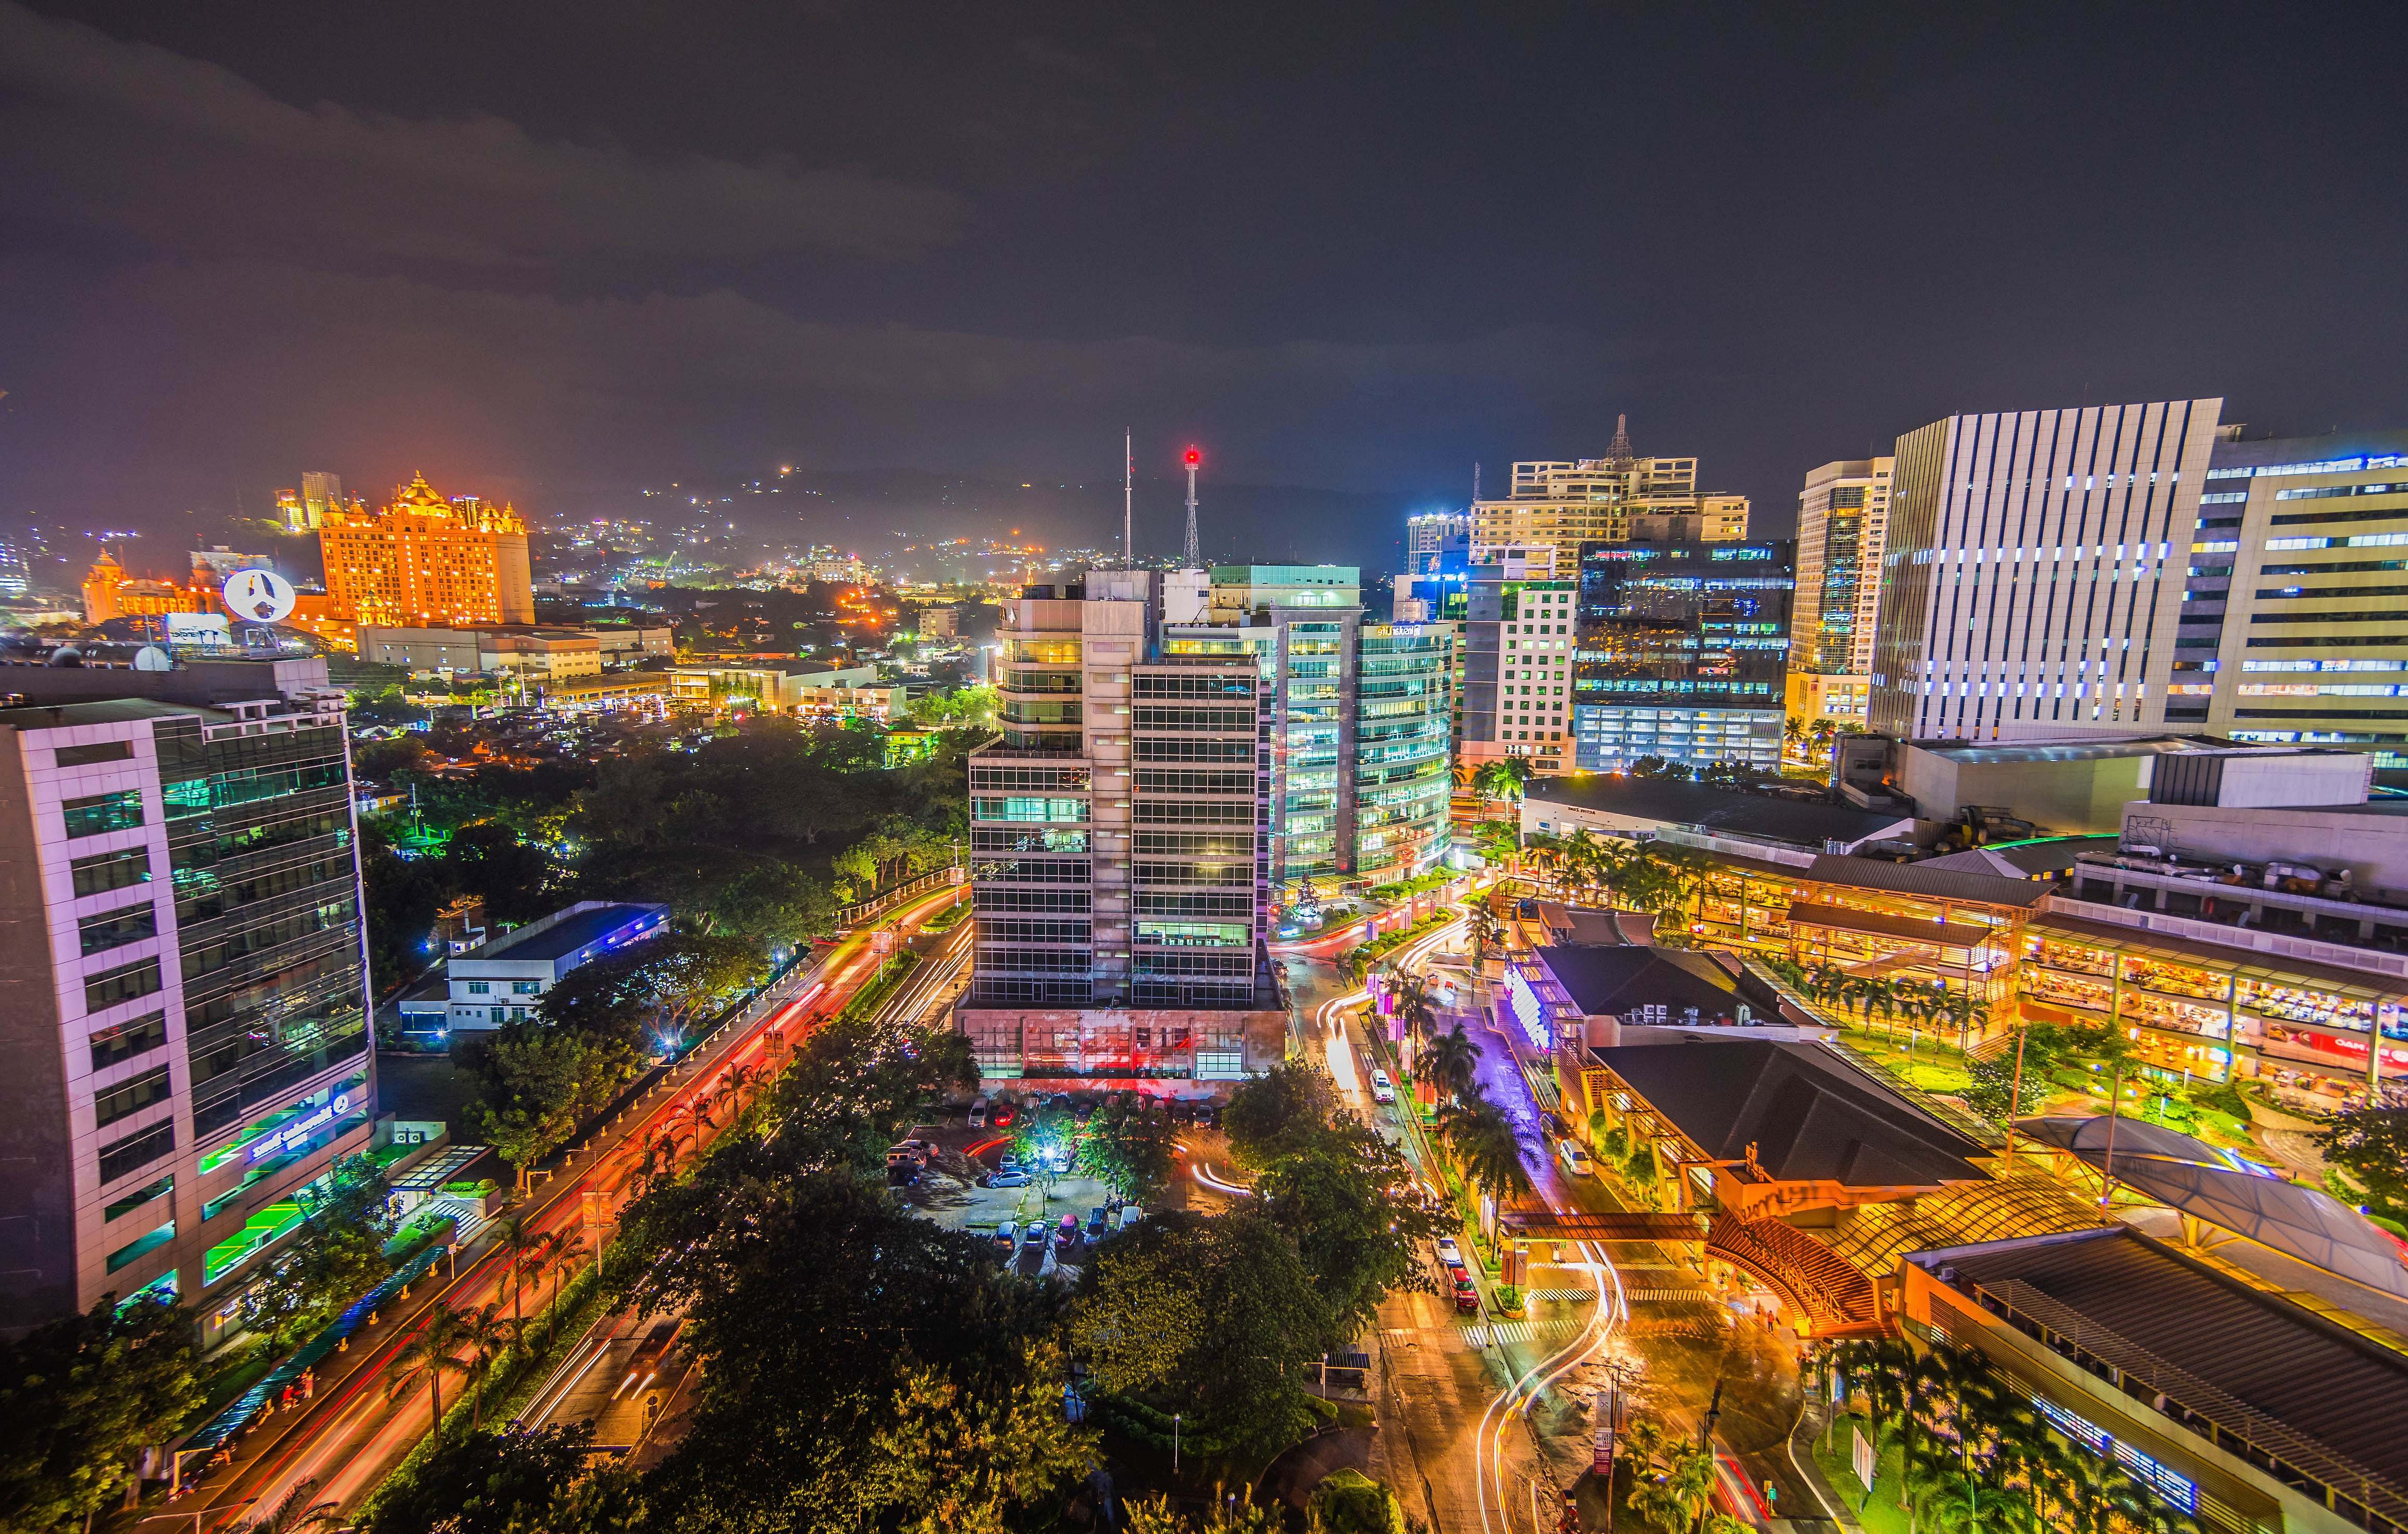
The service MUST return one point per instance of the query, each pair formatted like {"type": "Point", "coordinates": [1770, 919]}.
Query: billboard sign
{"type": "Point", "coordinates": [259, 596]}
{"type": "Point", "coordinates": [198, 630]}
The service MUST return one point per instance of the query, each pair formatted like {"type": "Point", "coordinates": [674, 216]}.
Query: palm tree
{"type": "Point", "coordinates": [1453, 1058]}
{"type": "Point", "coordinates": [491, 1337]}
{"type": "Point", "coordinates": [1486, 931]}
{"type": "Point", "coordinates": [1482, 1142]}
{"type": "Point", "coordinates": [429, 1355]}
{"type": "Point", "coordinates": [518, 1240]}
{"type": "Point", "coordinates": [552, 1256]}
{"type": "Point", "coordinates": [1883, 997]}
{"type": "Point", "coordinates": [293, 1512]}
{"type": "Point", "coordinates": [1413, 994]}
{"type": "Point", "coordinates": [1672, 1482]}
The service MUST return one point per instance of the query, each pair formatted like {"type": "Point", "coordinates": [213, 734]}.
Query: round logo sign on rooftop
{"type": "Point", "coordinates": [259, 596]}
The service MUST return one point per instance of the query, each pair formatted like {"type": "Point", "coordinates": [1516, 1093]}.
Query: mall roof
{"type": "Point", "coordinates": [2193, 1178]}
{"type": "Point", "coordinates": [1810, 1115]}
{"type": "Point", "coordinates": [1611, 980]}
{"type": "Point", "coordinates": [1717, 811]}
{"type": "Point", "coordinates": [1875, 873]}
{"type": "Point", "coordinates": [2256, 1364]}
{"type": "Point", "coordinates": [2022, 859]}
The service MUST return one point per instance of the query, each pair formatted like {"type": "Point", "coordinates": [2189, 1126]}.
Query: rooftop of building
{"type": "Point", "coordinates": [1715, 811]}
{"type": "Point", "coordinates": [2034, 858]}
{"type": "Point", "coordinates": [1803, 1112]}
{"type": "Point", "coordinates": [575, 930]}
{"type": "Point", "coordinates": [194, 683]}
{"type": "Point", "coordinates": [115, 711]}
{"type": "Point", "coordinates": [1610, 982]}
{"type": "Point", "coordinates": [2092, 748]}
{"type": "Point", "coordinates": [1585, 927]}
{"type": "Point", "coordinates": [2241, 1356]}
{"type": "Point", "coordinates": [2333, 448]}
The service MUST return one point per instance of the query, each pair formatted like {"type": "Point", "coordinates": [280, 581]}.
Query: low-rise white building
{"type": "Point", "coordinates": [503, 980]}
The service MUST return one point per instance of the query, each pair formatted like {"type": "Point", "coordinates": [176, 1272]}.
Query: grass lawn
{"type": "Point", "coordinates": [1880, 1513]}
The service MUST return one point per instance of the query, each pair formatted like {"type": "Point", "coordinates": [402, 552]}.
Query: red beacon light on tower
{"type": "Point", "coordinates": [1194, 457]}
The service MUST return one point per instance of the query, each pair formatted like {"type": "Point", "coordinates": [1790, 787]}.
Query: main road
{"type": "Point", "coordinates": [609, 1378]}
{"type": "Point", "coordinates": [1458, 1392]}
{"type": "Point", "coordinates": [348, 1438]}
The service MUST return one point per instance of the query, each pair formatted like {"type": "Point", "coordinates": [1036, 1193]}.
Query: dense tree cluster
{"type": "Point", "coordinates": [334, 1257]}
{"type": "Point", "coordinates": [79, 1398]}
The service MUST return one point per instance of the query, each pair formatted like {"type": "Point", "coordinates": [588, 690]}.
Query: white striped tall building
{"type": "Point", "coordinates": [2034, 570]}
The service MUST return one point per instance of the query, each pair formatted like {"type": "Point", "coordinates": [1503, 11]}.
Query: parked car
{"type": "Point", "coordinates": [1382, 1089]}
{"type": "Point", "coordinates": [978, 1113]}
{"type": "Point", "coordinates": [1467, 1298]}
{"type": "Point", "coordinates": [1007, 1237]}
{"type": "Point", "coordinates": [1067, 1232]}
{"type": "Point", "coordinates": [1449, 1253]}
{"type": "Point", "coordinates": [1008, 1179]}
{"type": "Point", "coordinates": [1099, 1220]}
{"type": "Point", "coordinates": [1575, 1160]}
{"type": "Point", "coordinates": [1130, 1214]}
{"type": "Point", "coordinates": [1033, 1239]}
{"type": "Point", "coordinates": [1002, 1117]}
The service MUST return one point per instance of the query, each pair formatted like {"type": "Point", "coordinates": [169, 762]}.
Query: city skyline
{"type": "Point", "coordinates": [724, 285]}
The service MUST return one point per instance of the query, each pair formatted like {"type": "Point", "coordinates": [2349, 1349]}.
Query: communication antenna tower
{"type": "Point", "coordinates": [1195, 549]}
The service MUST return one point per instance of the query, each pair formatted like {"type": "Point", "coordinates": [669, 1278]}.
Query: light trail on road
{"type": "Point", "coordinates": [325, 1447]}
{"type": "Point", "coordinates": [1515, 1400]}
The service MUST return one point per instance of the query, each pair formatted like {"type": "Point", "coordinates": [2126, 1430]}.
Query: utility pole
{"type": "Point", "coordinates": [2114, 1112]}
{"type": "Point", "coordinates": [1128, 501]}
{"type": "Point", "coordinates": [2015, 1096]}
{"type": "Point", "coordinates": [1706, 1445]}
{"type": "Point", "coordinates": [1195, 549]}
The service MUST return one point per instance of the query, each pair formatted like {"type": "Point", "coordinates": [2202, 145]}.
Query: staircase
{"type": "Point", "coordinates": [1823, 1283]}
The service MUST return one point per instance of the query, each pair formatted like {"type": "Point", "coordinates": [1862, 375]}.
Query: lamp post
{"type": "Point", "coordinates": [1174, 1446]}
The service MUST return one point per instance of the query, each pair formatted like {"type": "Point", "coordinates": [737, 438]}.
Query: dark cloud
{"type": "Point", "coordinates": [188, 156]}
{"type": "Point", "coordinates": [1348, 245]}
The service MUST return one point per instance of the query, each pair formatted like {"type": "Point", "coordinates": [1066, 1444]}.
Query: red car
{"type": "Point", "coordinates": [1002, 1117]}
{"type": "Point", "coordinates": [1467, 1298]}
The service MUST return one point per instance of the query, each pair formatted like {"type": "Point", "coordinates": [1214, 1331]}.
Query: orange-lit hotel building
{"type": "Point", "coordinates": [427, 561]}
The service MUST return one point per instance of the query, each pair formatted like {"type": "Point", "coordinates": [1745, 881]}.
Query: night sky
{"type": "Point", "coordinates": [556, 251]}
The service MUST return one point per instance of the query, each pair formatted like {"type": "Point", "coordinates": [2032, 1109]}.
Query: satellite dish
{"type": "Point", "coordinates": [259, 596]}
{"type": "Point", "coordinates": [64, 656]}
{"type": "Point", "coordinates": [152, 658]}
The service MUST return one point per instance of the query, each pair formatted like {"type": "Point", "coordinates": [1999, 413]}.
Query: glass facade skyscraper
{"type": "Point", "coordinates": [182, 1008]}
{"type": "Point", "coordinates": [1682, 653]}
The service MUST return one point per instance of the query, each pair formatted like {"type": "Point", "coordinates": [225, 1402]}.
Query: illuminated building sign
{"type": "Point", "coordinates": [1527, 1009]}
{"type": "Point", "coordinates": [299, 1129]}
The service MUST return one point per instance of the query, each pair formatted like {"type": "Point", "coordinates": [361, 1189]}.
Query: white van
{"type": "Point", "coordinates": [978, 1113]}
{"type": "Point", "coordinates": [1574, 1160]}
{"type": "Point", "coordinates": [1130, 1214]}
{"type": "Point", "coordinates": [1382, 1089]}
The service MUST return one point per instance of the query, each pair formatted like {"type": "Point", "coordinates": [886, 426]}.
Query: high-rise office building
{"type": "Point", "coordinates": [183, 1005]}
{"type": "Point", "coordinates": [1435, 583]}
{"type": "Point", "coordinates": [1682, 654]}
{"type": "Point", "coordinates": [1518, 638]}
{"type": "Point", "coordinates": [1556, 507]}
{"type": "Point", "coordinates": [2292, 626]}
{"type": "Point", "coordinates": [1362, 720]}
{"type": "Point", "coordinates": [425, 560]}
{"type": "Point", "coordinates": [1119, 843]}
{"type": "Point", "coordinates": [1843, 524]}
{"type": "Point", "coordinates": [2033, 573]}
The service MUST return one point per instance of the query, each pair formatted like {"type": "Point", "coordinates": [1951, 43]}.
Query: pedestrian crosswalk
{"type": "Point", "coordinates": [1701, 1296]}
{"type": "Point", "coordinates": [1581, 1296]}
{"type": "Point", "coordinates": [1497, 1334]}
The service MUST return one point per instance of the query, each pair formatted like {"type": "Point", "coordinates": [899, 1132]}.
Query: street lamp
{"type": "Point", "coordinates": [1174, 1452]}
